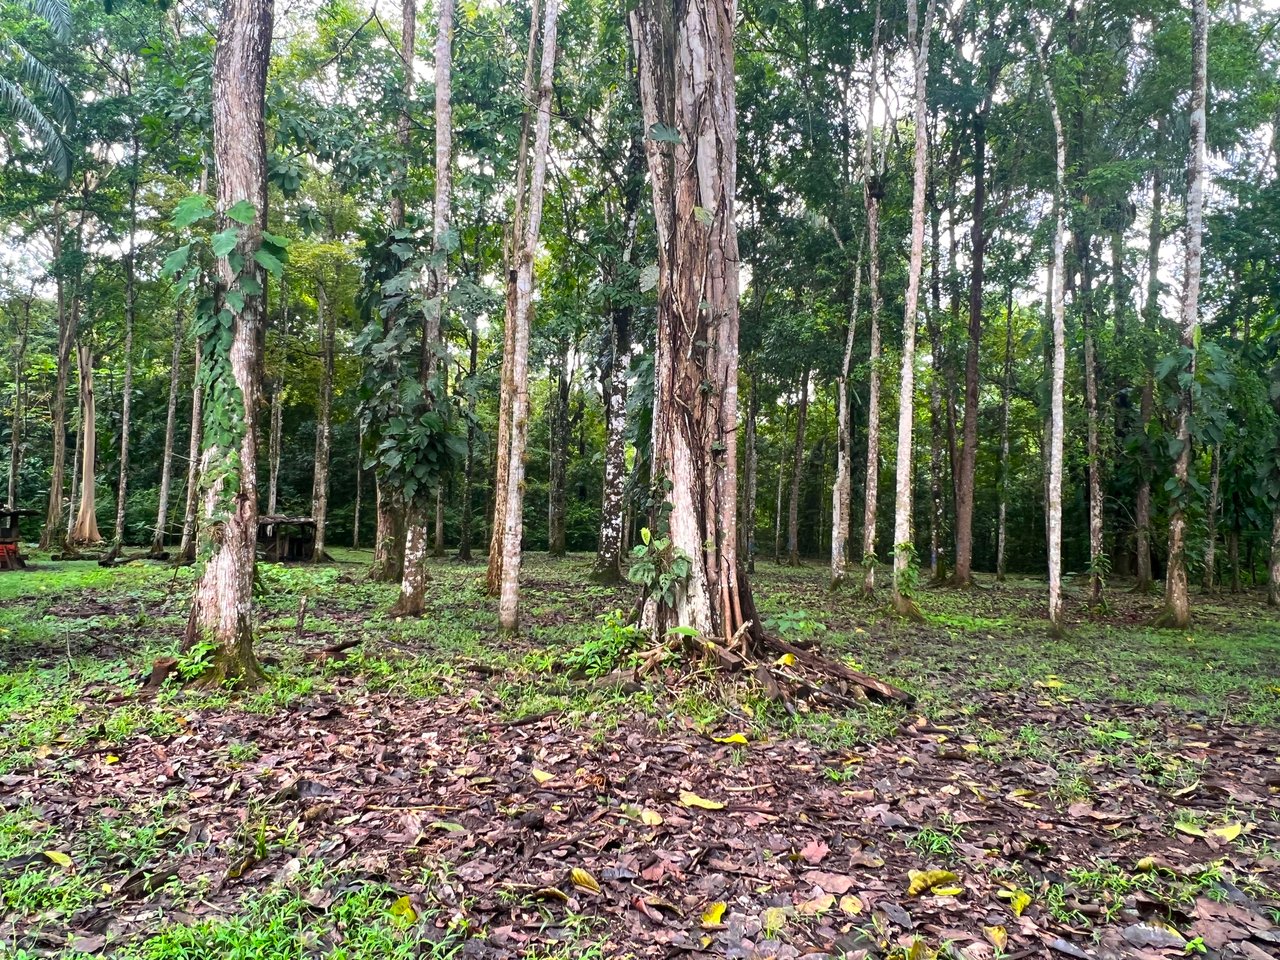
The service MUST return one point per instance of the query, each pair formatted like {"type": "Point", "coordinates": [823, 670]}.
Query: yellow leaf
{"type": "Point", "coordinates": [1190, 829]}
{"type": "Point", "coordinates": [1019, 902]}
{"type": "Point", "coordinates": [1229, 832]}
{"type": "Point", "coordinates": [998, 937]}
{"type": "Point", "coordinates": [731, 738]}
{"type": "Point", "coordinates": [583, 880]}
{"type": "Point", "coordinates": [920, 951]}
{"type": "Point", "coordinates": [850, 905]}
{"type": "Point", "coordinates": [1051, 682]}
{"type": "Point", "coordinates": [953, 891]}
{"type": "Point", "coordinates": [922, 881]}
{"type": "Point", "coordinates": [691, 799]}
{"type": "Point", "coordinates": [711, 916]}
{"type": "Point", "coordinates": [650, 817]}
{"type": "Point", "coordinates": [1145, 865]}
{"type": "Point", "coordinates": [403, 910]}
{"type": "Point", "coordinates": [786, 660]}
{"type": "Point", "coordinates": [971, 748]}
{"type": "Point", "coordinates": [542, 776]}
{"type": "Point", "coordinates": [816, 906]}
{"type": "Point", "coordinates": [58, 857]}
{"type": "Point", "coordinates": [773, 919]}
{"type": "Point", "coordinates": [110, 758]}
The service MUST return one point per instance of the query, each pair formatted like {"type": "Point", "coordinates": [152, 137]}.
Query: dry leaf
{"type": "Point", "coordinates": [583, 880]}
{"type": "Point", "coordinates": [998, 937]}
{"type": "Point", "coordinates": [711, 916]}
{"type": "Point", "coordinates": [650, 817]}
{"type": "Point", "coordinates": [953, 891]}
{"type": "Point", "coordinates": [786, 660]}
{"type": "Point", "coordinates": [773, 919]}
{"type": "Point", "coordinates": [691, 799]}
{"type": "Point", "coordinates": [922, 881]}
{"type": "Point", "coordinates": [1229, 832]}
{"type": "Point", "coordinates": [542, 776]}
{"type": "Point", "coordinates": [1019, 902]}
{"type": "Point", "coordinates": [811, 908]}
{"type": "Point", "coordinates": [850, 905]}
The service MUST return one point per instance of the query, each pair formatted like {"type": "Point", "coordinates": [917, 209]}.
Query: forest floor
{"type": "Point", "coordinates": [440, 791]}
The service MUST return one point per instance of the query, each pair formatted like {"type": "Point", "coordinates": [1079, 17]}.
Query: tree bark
{"type": "Point", "coordinates": [327, 324]}
{"type": "Point", "coordinates": [1273, 564]}
{"type": "Point", "coordinates": [52, 535]}
{"type": "Point", "coordinates": [170, 431]}
{"type": "Point", "coordinates": [468, 470]}
{"type": "Point", "coordinates": [750, 474]}
{"type": "Point", "coordinates": [842, 489]}
{"type": "Point", "coordinates": [222, 613]}
{"type": "Point", "coordinates": [1177, 611]}
{"type": "Point", "coordinates": [1097, 556]}
{"type": "Point", "coordinates": [130, 316]}
{"type": "Point", "coordinates": [1006, 388]}
{"type": "Point", "coordinates": [355, 514]}
{"type": "Point", "coordinates": [1151, 319]}
{"type": "Point", "coordinates": [797, 474]}
{"type": "Point", "coordinates": [903, 547]}
{"type": "Point", "coordinates": [190, 515]}
{"type": "Point", "coordinates": [521, 321]}
{"type": "Point", "coordinates": [559, 435]}
{"type": "Point", "coordinates": [19, 386]}
{"type": "Point", "coordinates": [86, 523]}
{"type": "Point", "coordinates": [1211, 520]}
{"type": "Point", "coordinates": [275, 440]}
{"type": "Point", "coordinates": [687, 86]}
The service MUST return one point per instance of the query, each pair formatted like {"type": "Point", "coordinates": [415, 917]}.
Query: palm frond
{"type": "Point", "coordinates": [44, 130]}
{"type": "Point", "coordinates": [35, 73]}
{"type": "Point", "coordinates": [56, 13]}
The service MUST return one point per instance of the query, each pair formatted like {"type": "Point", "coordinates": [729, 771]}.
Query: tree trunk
{"type": "Point", "coordinates": [52, 535]}
{"type": "Point", "coordinates": [1273, 564]}
{"type": "Point", "coordinates": [559, 435]}
{"type": "Point", "coordinates": [513, 246]}
{"type": "Point", "coordinates": [750, 474]}
{"type": "Point", "coordinates": [19, 384]}
{"type": "Point", "coordinates": [86, 523]}
{"type": "Point", "coordinates": [1177, 612]}
{"type": "Point", "coordinates": [190, 515]}
{"type": "Point", "coordinates": [170, 430]}
{"type": "Point", "coordinates": [903, 547]}
{"type": "Point", "coordinates": [275, 439]}
{"type": "Point", "coordinates": [222, 613]}
{"type": "Point", "coordinates": [937, 512]}
{"type": "Point", "coordinates": [872, 193]}
{"type": "Point", "coordinates": [130, 315]}
{"type": "Point", "coordinates": [468, 470]}
{"type": "Point", "coordinates": [797, 474]}
{"type": "Point", "coordinates": [1006, 388]}
{"type": "Point", "coordinates": [609, 553]}
{"type": "Point", "coordinates": [1093, 447]}
{"type": "Point", "coordinates": [521, 321]}
{"type": "Point", "coordinates": [1058, 310]}
{"type": "Point", "coordinates": [1211, 520]}
{"type": "Point", "coordinates": [687, 85]}
{"type": "Point", "coordinates": [1151, 319]}
{"type": "Point", "coordinates": [412, 599]}
{"type": "Point", "coordinates": [842, 489]}
{"type": "Point", "coordinates": [355, 513]}
{"type": "Point", "coordinates": [327, 324]}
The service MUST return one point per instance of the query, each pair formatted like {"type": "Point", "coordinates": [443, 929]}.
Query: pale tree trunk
{"type": "Point", "coordinates": [130, 316]}
{"type": "Point", "coordinates": [1058, 310]}
{"type": "Point", "coordinates": [190, 515]}
{"type": "Point", "coordinates": [750, 475]}
{"type": "Point", "coordinates": [389, 526]}
{"type": "Point", "coordinates": [468, 470]}
{"type": "Point", "coordinates": [275, 440]}
{"type": "Point", "coordinates": [687, 84]}
{"type": "Point", "coordinates": [559, 435]}
{"type": "Point", "coordinates": [903, 551]}
{"type": "Point", "coordinates": [1151, 318]}
{"type": "Point", "coordinates": [777, 510]}
{"type": "Point", "coordinates": [19, 386]}
{"type": "Point", "coordinates": [609, 554]}
{"type": "Point", "coordinates": [73, 501]}
{"type": "Point", "coordinates": [842, 489]}
{"type": "Point", "coordinates": [86, 523]}
{"type": "Point", "coordinates": [52, 535]}
{"type": "Point", "coordinates": [1006, 388]}
{"type": "Point", "coordinates": [1211, 520]}
{"type": "Point", "coordinates": [1093, 447]}
{"type": "Point", "coordinates": [170, 430]}
{"type": "Point", "coordinates": [520, 319]}
{"type": "Point", "coordinates": [872, 194]}
{"type": "Point", "coordinates": [1177, 611]}
{"type": "Point", "coordinates": [438, 544]}
{"type": "Point", "coordinates": [412, 599]}
{"type": "Point", "coordinates": [797, 474]}
{"type": "Point", "coordinates": [1273, 566]}
{"type": "Point", "coordinates": [222, 612]}
{"type": "Point", "coordinates": [937, 512]}
{"type": "Point", "coordinates": [324, 427]}
{"type": "Point", "coordinates": [513, 245]}
{"type": "Point", "coordinates": [355, 516]}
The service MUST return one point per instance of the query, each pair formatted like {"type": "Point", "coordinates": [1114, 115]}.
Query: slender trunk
{"type": "Point", "coordinates": [1151, 318]}
{"type": "Point", "coordinates": [170, 431]}
{"type": "Point", "coordinates": [52, 535]}
{"type": "Point", "coordinates": [412, 599]}
{"type": "Point", "coordinates": [1057, 413]}
{"type": "Point", "coordinates": [19, 385]}
{"type": "Point", "coordinates": [190, 515]}
{"type": "Point", "coordinates": [520, 320]}
{"type": "Point", "coordinates": [1006, 388]}
{"type": "Point", "coordinates": [514, 240]}
{"type": "Point", "coordinates": [86, 524]}
{"type": "Point", "coordinates": [559, 435]}
{"type": "Point", "coordinates": [937, 512]}
{"type": "Point", "coordinates": [1177, 612]}
{"type": "Point", "coordinates": [1211, 520]}
{"type": "Point", "coordinates": [609, 554]}
{"type": "Point", "coordinates": [903, 548]}
{"type": "Point", "coordinates": [327, 324]}
{"type": "Point", "coordinates": [750, 474]}
{"type": "Point", "coordinates": [130, 315]}
{"type": "Point", "coordinates": [842, 489]}
{"type": "Point", "coordinates": [275, 440]}
{"type": "Point", "coordinates": [1273, 565]}
{"type": "Point", "coordinates": [222, 613]}
{"type": "Point", "coordinates": [468, 470]}
{"type": "Point", "coordinates": [355, 513]}
{"type": "Point", "coordinates": [797, 474]}
{"type": "Point", "coordinates": [1097, 557]}
{"type": "Point", "coordinates": [1233, 556]}
{"type": "Point", "coordinates": [437, 549]}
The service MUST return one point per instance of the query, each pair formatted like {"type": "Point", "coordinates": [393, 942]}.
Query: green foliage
{"type": "Point", "coordinates": [610, 650]}
{"type": "Point", "coordinates": [659, 566]}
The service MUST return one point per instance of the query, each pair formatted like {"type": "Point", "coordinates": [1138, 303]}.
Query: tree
{"type": "Point", "coordinates": [32, 92]}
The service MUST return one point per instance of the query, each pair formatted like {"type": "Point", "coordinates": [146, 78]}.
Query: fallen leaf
{"type": "Point", "coordinates": [403, 911]}
{"type": "Point", "coordinates": [1190, 829]}
{"type": "Point", "coordinates": [922, 881]}
{"type": "Point", "coordinates": [446, 825]}
{"type": "Point", "coordinates": [953, 891]}
{"type": "Point", "coordinates": [542, 776]}
{"type": "Point", "coordinates": [690, 799]}
{"type": "Point", "coordinates": [814, 851]}
{"type": "Point", "coordinates": [816, 906]}
{"type": "Point", "coordinates": [650, 817]}
{"type": "Point", "coordinates": [786, 660]}
{"type": "Point", "coordinates": [773, 919]}
{"type": "Point", "coordinates": [850, 905]}
{"type": "Point", "coordinates": [997, 936]}
{"type": "Point", "coordinates": [583, 880]}
{"type": "Point", "coordinates": [732, 738]}
{"type": "Point", "coordinates": [60, 858]}
{"type": "Point", "coordinates": [711, 916]}
{"type": "Point", "coordinates": [1229, 832]}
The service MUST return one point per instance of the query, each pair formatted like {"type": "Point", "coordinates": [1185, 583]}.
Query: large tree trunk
{"type": "Point", "coordinates": [412, 599]}
{"type": "Point", "coordinates": [19, 386]}
{"type": "Point", "coordinates": [687, 85]}
{"type": "Point", "coordinates": [170, 430]}
{"type": "Point", "coordinates": [130, 312]}
{"type": "Point", "coordinates": [190, 515]}
{"type": "Point", "coordinates": [86, 522]}
{"type": "Point", "coordinates": [903, 547]}
{"type": "Point", "coordinates": [1177, 611]}
{"type": "Point", "coordinates": [797, 474]}
{"type": "Point", "coordinates": [513, 246]}
{"type": "Point", "coordinates": [1058, 311]}
{"type": "Point", "coordinates": [222, 612]}
{"type": "Point", "coordinates": [559, 435]}
{"type": "Point", "coordinates": [52, 535]}
{"type": "Point", "coordinates": [1006, 388]}
{"type": "Point", "coordinates": [326, 322]}
{"type": "Point", "coordinates": [520, 320]}
{"type": "Point", "coordinates": [1151, 319]}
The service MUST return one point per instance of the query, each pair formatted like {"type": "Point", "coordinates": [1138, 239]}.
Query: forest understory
{"type": "Point", "coordinates": [437, 790]}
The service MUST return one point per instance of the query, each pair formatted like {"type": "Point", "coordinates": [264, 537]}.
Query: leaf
{"type": "Point", "coordinates": [703, 216]}
{"type": "Point", "coordinates": [1019, 902]}
{"type": "Point", "coordinates": [189, 210]}
{"type": "Point", "coordinates": [786, 660]}
{"type": "Point", "coordinates": [403, 910]}
{"type": "Point", "coordinates": [542, 776]}
{"type": "Point", "coordinates": [664, 134]}
{"type": "Point", "coordinates": [1190, 829]}
{"type": "Point", "coordinates": [447, 826]}
{"type": "Point", "coordinates": [850, 905]}
{"type": "Point", "coordinates": [922, 881]}
{"type": "Point", "coordinates": [1229, 832]}
{"type": "Point", "coordinates": [60, 858]}
{"type": "Point", "coordinates": [816, 906]}
{"type": "Point", "coordinates": [1145, 865]}
{"type": "Point", "coordinates": [224, 242]}
{"type": "Point", "coordinates": [953, 891]}
{"type": "Point", "coordinates": [690, 799]}
{"type": "Point", "coordinates": [269, 262]}
{"type": "Point", "coordinates": [997, 936]}
{"type": "Point", "coordinates": [583, 880]}
{"type": "Point", "coordinates": [814, 851]}
{"type": "Point", "coordinates": [650, 817]}
{"type": "Point", "coordinates": [731, 738]}
{"type": "Point", "coordinates": [711, 916]}
{"type": "Point", "coordinates": [773, 919]}
{"type": "Point", "coordinates": [648, 278]}
{"type": "Point", "coordinates": [242, 211]}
